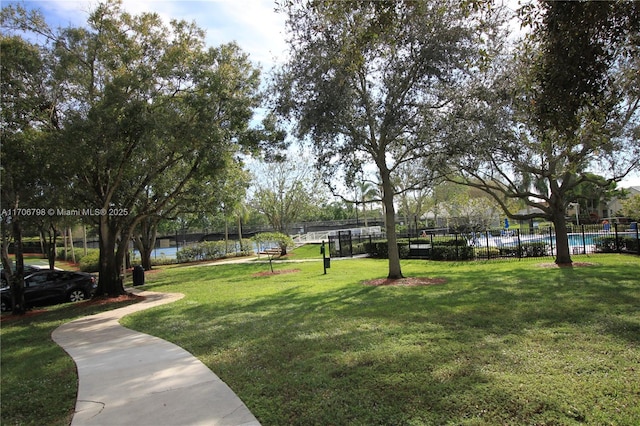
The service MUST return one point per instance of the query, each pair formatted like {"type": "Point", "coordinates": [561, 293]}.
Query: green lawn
{"type": "Point", "coordinates": [38, 380]}
{"type": "Point", "coordinates": [498, 343]}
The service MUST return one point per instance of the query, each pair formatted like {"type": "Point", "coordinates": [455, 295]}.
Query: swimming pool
{"type": "Point", "coordinates": [579, 243]}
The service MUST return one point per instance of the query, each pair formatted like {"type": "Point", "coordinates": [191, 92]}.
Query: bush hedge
{"type": "Point", "coordinates": [212, 250]}
{"type": "Point", "coordinates": [79, 254]}
{"type": "Point", "coordinates": [380, 249]}
{"type": "Point", "coordinates": [90, 262]}
{"type": "Point", "coordinates": [457, 249]}
{"type": "Point", "coordinates": [451, 252]}
{"type": "Point", "coordinates": [607, 244]}
{"type": "Point", "coordinates": [530, 249]}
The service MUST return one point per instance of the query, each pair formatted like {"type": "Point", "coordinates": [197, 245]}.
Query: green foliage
{"type": "Point", "coordinates": [608, 244]}
{"type": "Point", "coordinates": [155, 146]}
{"type": "Point", "coordinates": [527, 249]}
{"type": "Point", "coordinates": [90, 262]}
{"type": "Point", "coordinates": [286, 192]}
{"type": "Point", "coordinates": [486, 252]}
{"type": "Point", "coordinates": [565, 100]}
{"type": "Point", "coordinates": [265, 240]}
{"type": "Point", "coordinates": [451, 252]}
{"type": "Point", "coordinates": [211, 250]}
{"type": "Point", "coordinates": [380, 249]}
{"type": "Point", "coordinates": [631, 207]}
{"type": "Point", "coordinates": [450, 242]}
{"type": "Point", "coordinates": [77, 252]}
{"type": "Point", "coordinates": [370, 86]}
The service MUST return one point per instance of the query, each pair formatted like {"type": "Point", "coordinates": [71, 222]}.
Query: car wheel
{"type": "Point", "coordinates": [5, 305]}
{"type": "Point", "coordinates": [77, 295]}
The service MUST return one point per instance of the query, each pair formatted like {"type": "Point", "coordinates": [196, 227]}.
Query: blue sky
{"type": "Point", "coordinates": [253, 24]}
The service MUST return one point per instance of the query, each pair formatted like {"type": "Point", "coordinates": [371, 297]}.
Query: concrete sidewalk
{"type": "Point", "coordinates": [131, 378]}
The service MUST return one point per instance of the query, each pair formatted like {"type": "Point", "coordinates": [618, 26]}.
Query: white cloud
{"type": "Point", "coordinates": [253, 24]}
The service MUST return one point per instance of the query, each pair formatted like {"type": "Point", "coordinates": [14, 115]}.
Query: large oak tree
{"type": "Point", "coordinates": [370, 82]}
{"type": "Point", "coordinates": [561, 111]}
{"type": "Point", "coordinates": [145, 108]}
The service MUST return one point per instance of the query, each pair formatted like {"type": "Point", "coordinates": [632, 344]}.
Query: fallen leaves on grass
{"type": "Point", "coordinates": [405, 282]}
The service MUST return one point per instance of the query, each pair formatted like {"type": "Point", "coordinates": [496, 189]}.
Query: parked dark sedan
{"type": "Point", "coordinates": [46, 287]}
{"type": "Point", "coordinates": [28, 270]}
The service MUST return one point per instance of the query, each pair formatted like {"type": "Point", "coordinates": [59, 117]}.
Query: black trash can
{"type": "Point", "coordinates": [138, 275]}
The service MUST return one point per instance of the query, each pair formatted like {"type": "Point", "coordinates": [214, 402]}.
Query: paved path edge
{"type": "Point", "coordinates": [126, 377]}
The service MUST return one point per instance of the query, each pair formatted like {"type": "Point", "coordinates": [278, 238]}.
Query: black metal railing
{"type": "Point", "coordinates": [495, 243]}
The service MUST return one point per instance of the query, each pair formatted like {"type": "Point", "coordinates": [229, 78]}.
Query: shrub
{"type": "Point", "coordinates": [90, 262]}
{"type": "Point", "coordinates": [451, 252]}
{"type": "Point", "coordinates": [450, 242]}
{"type": "Point", "coordinates": [163, 260]}
{"type": "Point", "coordinates": [529, 249]}
{"type": "Point", "coordinates": [486, 252]}
{"type": "Point", "coordinates": [608, 244]}
{"type": "Point", "coordinates": [282, 240]}
{"type": "Point", "coordinates": [535, 249]}
{"type": "Point", "coordinates": [630, 244]}
{"type": "Point", "coordinates": [211, 250]}
{"type": "Point", "coordinates": [605, 244]}
{"type": "Point", "coordinates": [380, 249]}
{"type": "Point", "coordinates": [79, 254]}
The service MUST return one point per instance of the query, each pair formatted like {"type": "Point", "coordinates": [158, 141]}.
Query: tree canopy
{"type": "Point", "coordinates": [559, 112]}
{"type": "Point", "coordinates": [370, 81]}
{"type": "Point", "coordinates": [143, 111]}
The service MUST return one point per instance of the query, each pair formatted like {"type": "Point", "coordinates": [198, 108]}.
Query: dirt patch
{"type": "Point", "coordinates": [277, 272]}
{"type": "Point", "coordinates": [405, 282]}
{"type": "Point", "coordinates": [572, 265]}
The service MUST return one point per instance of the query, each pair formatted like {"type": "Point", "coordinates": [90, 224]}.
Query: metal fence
{"type": "Point", "coordinates": [444, 244]}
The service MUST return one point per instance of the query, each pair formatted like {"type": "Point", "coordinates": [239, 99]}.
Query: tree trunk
{"type": "Point", "coordinates": [563, 256]}
{"type": "Point", "coordinates": [84, 238]}
{"type": "Point", "coordinates": [17, 277]}
{"type": "Point", "coordinates": [145, 257]}
{"type": "Point", "coordinates": [145, 242]}
{"type": "Point", "coordinates": [226, 235]}
{"type": "Point", "coordinates": [395, 271]}
{"type": "Point", "coordinates": [73, 253]}
{"type": "Point", "coordinates": [110, 282]}
{"type": "Point", "coordinates": [48, 238]}
{"type": "Point", "coordinates": [64, 243]}
{"type": "Point", "coordinates": [240, 234]}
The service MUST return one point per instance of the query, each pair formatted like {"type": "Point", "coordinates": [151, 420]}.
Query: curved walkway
{"type": "Point", "coordinates": [130, 378]}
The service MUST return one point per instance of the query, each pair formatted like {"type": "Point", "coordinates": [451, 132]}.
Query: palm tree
{"type": "Point", "coordinates": [368, 192]}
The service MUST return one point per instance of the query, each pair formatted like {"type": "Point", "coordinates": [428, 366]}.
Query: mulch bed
{"type": "Point", "coordinates": [405, 282]}
{"type": "Point", "coordinates": [104, 300]}
{"type": "Point", "coordinates": [97, 301]}
{"type": "Point", "coordinates": [277, 272]}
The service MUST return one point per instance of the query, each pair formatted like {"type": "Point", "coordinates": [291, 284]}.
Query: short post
{"type": "Point", "coordinates": [486, 234]}
{"type": "Point", "coordinates": [325, 260]}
